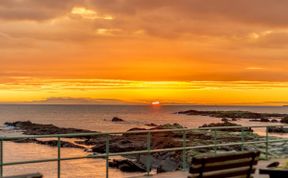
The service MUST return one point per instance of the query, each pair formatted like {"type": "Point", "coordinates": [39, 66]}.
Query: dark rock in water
{"type": "Point", "coordinates": [264, 120]}
{"type": "Point", "coordinates": [284, 120]}
{"type": "Point", "coordinates": [135, 129]}
{"type": "Point", "coordinates": [278, 129]}
{"type": "Point", "coordinates": [151, 125]}
{"type": "Point", "coordinates": [30, 128]}
{"type": "Point", "coordinates": [224, 120]}
{"type": "Point", "coordinates": [52, 143]}
{"type": "Point", "coordinates": [127, 165]}
{"type": "Point", "coordinates": [169, 126]}
{"type": "Point", "coordinates": [225, 124]}
{"type": "Point", "coordinates": [117, 119]}
{"type": "Point", "coordinates": [232, 114]}
{"type": "Point", "coordinates": [274, 164]}
{"type": "Point", "coordinates": [234, 119]}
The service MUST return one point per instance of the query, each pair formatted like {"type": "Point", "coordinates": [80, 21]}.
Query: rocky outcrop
{"type": "Point", "coordinates": [278, 129]}
{"type": "Point", "coordinates": [284, 120]}
{"type": "Point", "coordinates": [227, 124]}
{"type": "Point", "coordinates": [126, 165]}
{"type": "Point", "coordinates": [151, 125]}
{"type": "Point", "coordinates": [117, 119]}
{"type": "Point", "coordinates": [164, 161]}
{"type": "Point", "coordinates": [168, 126]}
{"type": "Point", "coordinates": [233, 114]}
{"type": "Point", "coordinates": [29, 128]}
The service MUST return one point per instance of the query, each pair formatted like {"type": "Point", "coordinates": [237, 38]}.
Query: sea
{"type": "Point", "coordinates": [96, 118]}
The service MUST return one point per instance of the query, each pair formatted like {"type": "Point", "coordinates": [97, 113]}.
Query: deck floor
{"type": "Point", "coordinates": [184, 174]}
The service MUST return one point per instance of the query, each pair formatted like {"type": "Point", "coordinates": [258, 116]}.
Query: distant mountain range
{"type": "Point", "coordinates": [60, 100]}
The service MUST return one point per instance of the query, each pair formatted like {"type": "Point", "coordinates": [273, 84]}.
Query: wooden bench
{"type": "Point", "coordinates": [36, 175]}
{"type": "Point", "coordinates": [236, 165]}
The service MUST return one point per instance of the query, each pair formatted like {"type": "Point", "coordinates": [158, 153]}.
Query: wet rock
{"type": "Point", "coordinates": [264, 120]}
{"type": "Point", "coordinates": [169, 126]}
{"type": "Point", "coordinates": [278, 129]}
{"type": "Point", "coordinates": [284, 120]}
{"type": "Point", "coordinates": [226, 124]}
{"type": "Point", "coordinates": [30, 128]}
{"type": "Point", "coordinates": [151, 125]}
{"type": "Point", "coordinates": [127, 165]}
{"type": "Point", "coordinates": [117, 119]}
{"type": "Point", "coordinates": [233, 114]}
{"type": "Point", "coordinates": [274, 164]}
{"type": "Point", "coordinates": [135, 129]}
{"type": "Point", "coordinates": [224, 120]}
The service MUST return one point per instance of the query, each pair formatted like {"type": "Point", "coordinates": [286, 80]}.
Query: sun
{"type": "Point", "coordinates": [155, 103]}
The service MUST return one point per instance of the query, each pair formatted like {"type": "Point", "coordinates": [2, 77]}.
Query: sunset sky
{"type": "Point", "coordinates": [139, 51]}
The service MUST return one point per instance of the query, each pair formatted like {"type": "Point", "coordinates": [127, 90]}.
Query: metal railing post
{"type": "Point", "coordinates": [148, 160]}
{"type": "Point", "coordinates": [184, 152]}
{"type": "Point", "coordinates": [59, 158]}
{"type": "Point", "coordinates": [1, 158]}
{"type": "Point", "coordinates": [215, 141]}
{"type": "Point", "coordinates": [267, 142]}
{"type": "Point", "coordinates": [107, 155]}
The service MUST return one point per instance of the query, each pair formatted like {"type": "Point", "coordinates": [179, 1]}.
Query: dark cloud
{"type": "Point", "coordinates": [265, 12]}
{"type": "Point", "coordinates": [34, 9]}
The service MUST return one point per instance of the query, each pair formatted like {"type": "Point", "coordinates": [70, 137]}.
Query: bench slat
{"type": "Point", "coordinates": [225, 173]}
{"type": "Point", "coordinates": [229, 156]}
{"type": "Point", "coordinates": [221, 165]}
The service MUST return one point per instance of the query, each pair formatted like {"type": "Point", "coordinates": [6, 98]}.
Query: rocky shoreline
{"type": "Point", "coordinates": [162, 161]}
{"type": "Point", "coordinates": [253, 116]}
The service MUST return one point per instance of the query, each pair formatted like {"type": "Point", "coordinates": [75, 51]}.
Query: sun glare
{"type": "Point", "coordinates": [156, 103]}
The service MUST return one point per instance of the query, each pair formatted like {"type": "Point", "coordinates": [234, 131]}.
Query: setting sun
{"type": "Point", "coordinates": [156, 103]}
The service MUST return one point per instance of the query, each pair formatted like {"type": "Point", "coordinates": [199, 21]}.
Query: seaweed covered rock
{"type": "Point", "coordinates": [284, 120]}
{"type": "Point", "coordinates": [227, 124]}
{"type": "Point", "coordinates": [278, 129]}
{"type": "Point", "coordinates": [30, 128]}
{"type": "Point", "coordinates": [232, 114]}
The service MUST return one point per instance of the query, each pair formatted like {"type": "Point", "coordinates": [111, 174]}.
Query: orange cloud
{"type": "Point", "coordinates": [181, 41]}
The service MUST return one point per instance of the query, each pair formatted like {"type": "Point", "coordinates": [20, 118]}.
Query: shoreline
{"type": "Point", "coordinates": [131, 142]}
{"type": "Point", "coordinates": [124, 142]}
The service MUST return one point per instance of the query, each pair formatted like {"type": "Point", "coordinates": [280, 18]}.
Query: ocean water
{"type": "Point", "coordinates": [97, 118]}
